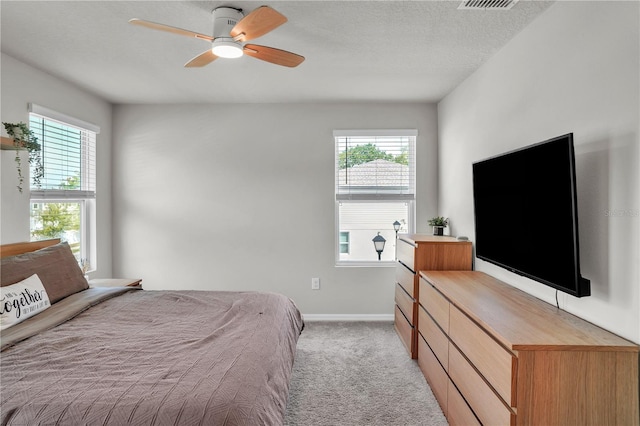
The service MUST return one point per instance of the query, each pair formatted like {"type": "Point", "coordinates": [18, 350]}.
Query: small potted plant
{"type": "Point", "coordinates": [438, 223]}
{"type": "Point", "coordinates": [23, 138]}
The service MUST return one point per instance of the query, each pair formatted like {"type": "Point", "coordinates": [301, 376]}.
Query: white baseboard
{"type": "Point", "coordinates": [348, 317]}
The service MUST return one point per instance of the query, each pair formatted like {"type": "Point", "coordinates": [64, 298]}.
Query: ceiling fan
{"type": "Point", "coordinates": [231, 29]}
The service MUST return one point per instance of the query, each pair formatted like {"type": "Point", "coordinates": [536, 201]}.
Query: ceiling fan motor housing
{"type": "Point", "coordinates": [223, 45]}
{"type": "Point", "coordinates": [224, 19]}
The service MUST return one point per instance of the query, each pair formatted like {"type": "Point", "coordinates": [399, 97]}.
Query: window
{"type": "Point", "coordinates": [63, 205]}
{"type": "Point", "coordinates": [375, 187]}
{"type": "Point", "coordinates": [344, 243]}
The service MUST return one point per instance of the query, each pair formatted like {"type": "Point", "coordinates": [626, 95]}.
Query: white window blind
{"type": "Point", "coordinates": [68, 155]}
{"type": "Point", "coordinates": [375, 164]}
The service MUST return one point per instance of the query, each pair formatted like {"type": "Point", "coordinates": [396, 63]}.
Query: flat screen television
{"type": "Point", "coordinates": [526, 214]}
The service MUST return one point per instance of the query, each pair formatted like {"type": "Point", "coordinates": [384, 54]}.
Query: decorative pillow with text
{"type": "Point", "coordinates": [22, 300]}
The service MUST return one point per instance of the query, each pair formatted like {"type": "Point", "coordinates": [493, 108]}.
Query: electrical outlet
{"type": "Point", "coordinates": [315, 283]}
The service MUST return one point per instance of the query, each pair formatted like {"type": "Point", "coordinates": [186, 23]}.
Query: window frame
{"type": "Point", "coordinates": [87, 195]}
{"type": "Point", "coordinates": [372, 197]}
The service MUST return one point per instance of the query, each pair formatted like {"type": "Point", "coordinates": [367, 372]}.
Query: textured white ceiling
{"type": "Point", "coordinates": [355, 50]}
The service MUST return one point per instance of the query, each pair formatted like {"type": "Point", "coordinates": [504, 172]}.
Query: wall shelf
{"type": "Point", "coordinates": [6, 143]}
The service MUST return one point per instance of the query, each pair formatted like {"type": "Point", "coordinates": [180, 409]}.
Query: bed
{"type": "Point", "coordinates": [114, 356]}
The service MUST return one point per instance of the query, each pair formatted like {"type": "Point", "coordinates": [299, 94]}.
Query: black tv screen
{"type": "Point", "coordinates": [526, 214]}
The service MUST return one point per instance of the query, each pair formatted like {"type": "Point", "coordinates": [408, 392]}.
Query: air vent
{"type": "Point", "coordinates": [487, 4]}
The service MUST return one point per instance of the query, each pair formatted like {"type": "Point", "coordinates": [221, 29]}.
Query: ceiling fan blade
{"type": "Point", "coordinates": [168, 28]}
{"type": "Point", "coordinates": [205, 58]}
{"type": "Point", "coordinates": [257, 23]}
{"type": "Point", "coordinates": [273, 55]}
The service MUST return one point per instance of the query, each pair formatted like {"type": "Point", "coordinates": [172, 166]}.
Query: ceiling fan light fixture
{"type": "Point", "coordinates": [227, 48]}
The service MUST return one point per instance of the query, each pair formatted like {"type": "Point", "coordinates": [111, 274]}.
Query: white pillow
{"type": "Point", "coordinates": [22, 300]}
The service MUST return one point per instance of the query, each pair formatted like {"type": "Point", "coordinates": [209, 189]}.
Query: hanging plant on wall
{"type": "Point", "coordinates": [23, 138]}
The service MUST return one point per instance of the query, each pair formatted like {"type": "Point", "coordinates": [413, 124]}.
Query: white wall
{"type": "Point", "coordinates": [574, 69]}
{"type": "Point", "coordinates": [22, 84]}
{"type": "Point", "coordinates": [241, 197]}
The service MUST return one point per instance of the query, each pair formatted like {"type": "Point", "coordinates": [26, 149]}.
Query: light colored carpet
{"type": "Point", "coordinates": [357, 373]}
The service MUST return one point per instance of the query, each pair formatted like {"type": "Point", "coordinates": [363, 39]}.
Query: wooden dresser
{"type": "Point", "coordinates": [415, 253]}
{"type": "Point", "coordinates": [495, 355]}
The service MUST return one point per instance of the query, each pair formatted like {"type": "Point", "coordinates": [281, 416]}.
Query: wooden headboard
{"type": "Point", "coordinates": [7, 250]}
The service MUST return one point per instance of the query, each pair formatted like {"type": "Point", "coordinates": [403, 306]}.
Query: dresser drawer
{"type": "Point", "coordinates": [489, 408]}
{"type": "Point", "coordinates": [434, 303]}
{"type": "Point", "coordinates": [404, 329]}
{"type": "Point", "coordinates": [449, 257]}
{"type": "Point", "coordinates": [405, 303]}
{"type": "Point", "coordinates": [494, 362]}
{"type": "Point", "coordinates": [405, 277]}
{"type": "Point", "coordinates": [433, 372]}
{"type": "Point", "coordinates": [434, 336]}
{"type": "Point", "coordinates": [458, 412]}
{"type": "Point", "coordinates": [405, 252]}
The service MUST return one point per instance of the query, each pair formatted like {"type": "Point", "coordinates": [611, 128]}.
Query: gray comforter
{"type": "Point", "coordinates": [155, 358]}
